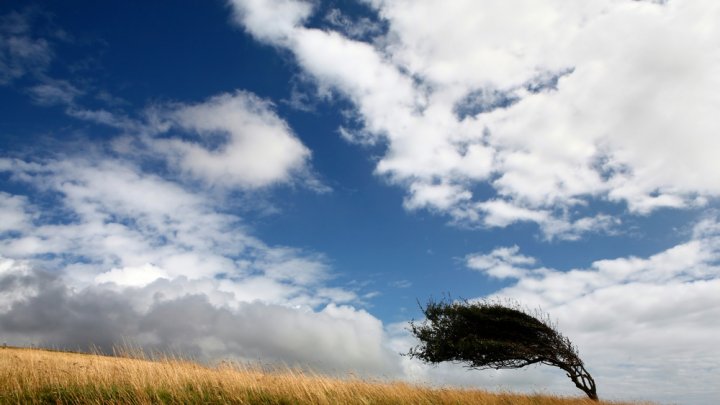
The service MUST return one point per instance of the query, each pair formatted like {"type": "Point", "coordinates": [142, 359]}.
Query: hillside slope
{"type": "Point", "coordinates": [43, 376]}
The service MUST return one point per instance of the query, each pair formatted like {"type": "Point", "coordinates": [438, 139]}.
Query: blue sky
{"type": "Point", "coordinates": [312, 169]}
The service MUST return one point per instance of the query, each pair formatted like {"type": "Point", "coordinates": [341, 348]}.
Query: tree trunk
{"type": "Point", "coordinates": [582, 380]}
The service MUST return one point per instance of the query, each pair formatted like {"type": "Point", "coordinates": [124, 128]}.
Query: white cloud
{"type": "Point", "coordinates": [13, 212]}
{"type": "Point", "coordinates": [138, 276]}
{"type": "Point", "coordinates": [502, 213]}
{"type": "Point", "coordinates": [353, 28]}
{"type": "Point", "coordinates": [634, 73]}
{"type": "Point", "coordinates": [563, 103]}
{"type": "Point", "coordinates": [118, 219]}
{"type": "Point", "coordinates": [503, 262]}
{"type": "Point", "coordinates": [438, 196]}
{"type": "Point", "coordinates": [241, 142]}
{"type": "Point", "coordinates": [271, 20]}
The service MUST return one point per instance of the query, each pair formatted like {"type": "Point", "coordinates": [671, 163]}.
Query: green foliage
{"type": "Point", "coordinates": [485, 335]}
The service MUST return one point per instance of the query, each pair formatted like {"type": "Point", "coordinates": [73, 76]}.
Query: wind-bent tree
{"type": "Point", "coordinates": [491, 335]}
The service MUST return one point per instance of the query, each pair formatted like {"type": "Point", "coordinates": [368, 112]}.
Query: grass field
{"type": "Point", "coordinates": [43, 376]}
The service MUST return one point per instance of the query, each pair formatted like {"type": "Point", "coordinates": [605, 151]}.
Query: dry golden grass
{"type": "Point", "coordinates": [43, 376]}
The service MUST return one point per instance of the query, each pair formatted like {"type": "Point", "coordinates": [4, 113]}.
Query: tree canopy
{"type": "Point", "coordinates": [492, 335]}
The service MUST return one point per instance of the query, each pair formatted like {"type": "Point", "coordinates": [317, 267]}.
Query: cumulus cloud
{"type": "Point", "coordinates": [553, 105]}
{"type": "Point", "coordinates": [240, 141]}
{"type": "Point", "coordinates": [636, 320]}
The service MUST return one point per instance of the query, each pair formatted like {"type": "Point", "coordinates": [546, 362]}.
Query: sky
{"type": "Point", "coordinates": [285, 181]}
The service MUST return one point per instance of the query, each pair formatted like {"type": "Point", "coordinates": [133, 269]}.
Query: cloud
{"type": "Point", "coordinates": [438, 196]}
{"type": "Point", "coordinates": [114, 219]}
{"type": "Point", "coordinates": [96, 252]}
{"type": "Point", "coordinates": [138, 276]}
{"type": "Point", "coordinates": [21, 53]}
{"type": "Point", "coordinates": [503, 262]}
{"type": "Point", "coordinates": [336, 339]}
{"type": "Point", "coordinates": [503, 213]}
{"type": "Point", "coordinates": [27, 49]}
{"type": "Point", "coordinates": [240, 141]}
{"type": "Point", "coordinates": [231, 140]}
{"type": "Point", "coordinates": [353, 28]}
{"type": "Point", "coordinates": [536, 112]}
{"type": "Point", "coordinates": [104, 117]}
{"type": "Point", "coordinates": [401, 284]}
{"type": "Point", "coordinates": [551, 105]}
{"type": "Point", "coordinates": [271, 20]}
{"type": "Point", "coordinates": [14, 214]}
{"type": "Point", "coordinates": [52, 92]}
{"type": "Point", "coordinates": [175, 272]}
{"type": "Point", "coordinates": [636, 320]}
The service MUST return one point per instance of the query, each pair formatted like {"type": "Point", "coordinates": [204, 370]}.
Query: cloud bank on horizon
{"type": "Point", "coordinates": [574, 117]}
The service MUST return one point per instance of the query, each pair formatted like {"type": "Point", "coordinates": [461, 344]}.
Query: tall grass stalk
{"type": "Point", "coordinates": [43, 376]}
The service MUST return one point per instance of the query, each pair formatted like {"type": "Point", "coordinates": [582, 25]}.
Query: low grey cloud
{"type": "Point", "coordinates": [335, 339]}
